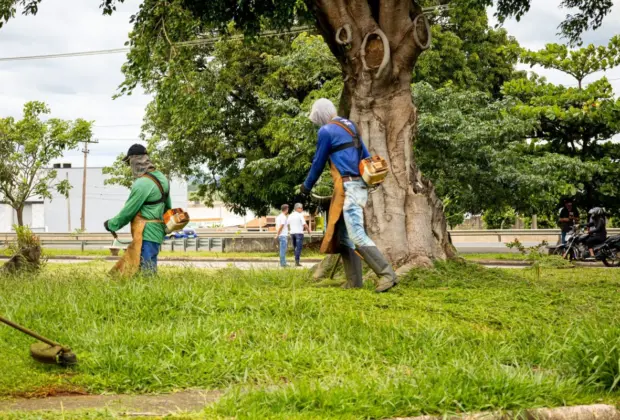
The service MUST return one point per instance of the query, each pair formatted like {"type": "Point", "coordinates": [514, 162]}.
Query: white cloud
{"type": "Point", "coordinates": [540, 27]}
{"type": "Point", "coordinates": [73, 87]}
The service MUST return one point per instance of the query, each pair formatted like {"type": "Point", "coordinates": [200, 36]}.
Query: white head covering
{"type": "Point", "coordinates": [323, 111]}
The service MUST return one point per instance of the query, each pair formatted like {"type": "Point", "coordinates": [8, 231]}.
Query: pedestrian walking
{"type": "Point", "coordinates": [282, 224]}
{"type": "Point", "coordinates": [297, 226]}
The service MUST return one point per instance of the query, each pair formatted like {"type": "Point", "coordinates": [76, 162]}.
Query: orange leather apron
{"type": "Point", "coordinates": [331, 242]}
{"type": "Point", "coordinates": [129, 264]}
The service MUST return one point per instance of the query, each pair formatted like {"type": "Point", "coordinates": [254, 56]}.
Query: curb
{"type": "Point", "coordinates": [581, 412]}
{"type": "Point", "coordinates": [524, 263]}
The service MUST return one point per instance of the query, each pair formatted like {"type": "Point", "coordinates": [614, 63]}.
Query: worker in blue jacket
{"type": "Point", "coordinates": [340, 143]}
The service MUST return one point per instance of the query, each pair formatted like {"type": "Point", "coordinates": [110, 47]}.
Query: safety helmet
{"type": "Point", "coordinates": [597, 211]}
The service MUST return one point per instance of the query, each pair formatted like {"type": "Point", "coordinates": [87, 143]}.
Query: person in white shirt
{"type": "Point", "coordinates": [297, 225]}
{"type": "Point", "coordinates": [282, 233]}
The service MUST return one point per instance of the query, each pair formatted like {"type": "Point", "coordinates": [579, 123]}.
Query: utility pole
{"type": "Point", "coordinates": [85, 151]}
{"type": "Point", "coordinates": [68, 208]}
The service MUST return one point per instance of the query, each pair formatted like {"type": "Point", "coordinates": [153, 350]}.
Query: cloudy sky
{"type": "Point", "coordinates": [83, 86]}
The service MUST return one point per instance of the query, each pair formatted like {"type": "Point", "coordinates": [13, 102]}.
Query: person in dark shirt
{"type": "Point", "coordinates": [569, 215]}
{"type": "Point", "coordinates": [597, 229]}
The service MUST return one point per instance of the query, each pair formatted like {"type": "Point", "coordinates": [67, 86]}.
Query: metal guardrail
{"type": "Point", "coordinates": [215, 240]}
{"type": "Point", "coordinates": [126, 236]}
{"type": "Point", "coordinates": [184, 245]}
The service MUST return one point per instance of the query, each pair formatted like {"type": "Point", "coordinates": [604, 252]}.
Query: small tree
{"type": "Point", "coordinates": [27, 148]}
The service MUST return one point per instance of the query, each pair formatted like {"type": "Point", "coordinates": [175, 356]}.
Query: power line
{"type": "Point", "coordinates": [198, 42]}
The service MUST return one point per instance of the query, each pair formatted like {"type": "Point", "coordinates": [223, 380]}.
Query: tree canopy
{"type": "Point", "coordinates": [252, 16]}
{"type": "Point", "coordinates": [28, 147]}
{"type": "Point", "coordinates": [475, 151]}
{"type": "Point", "coordinates": [576, 121]}
{"type": "Point", "coordinates": [243, 114]}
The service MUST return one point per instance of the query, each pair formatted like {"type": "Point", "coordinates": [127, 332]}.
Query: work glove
{"type": "Point", "coordinates": [303, 190]}
{"type": "Point", "coordinates": [105, 225]}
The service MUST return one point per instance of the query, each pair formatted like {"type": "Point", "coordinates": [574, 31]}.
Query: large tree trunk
{"type": "Point", "coordinates": [377, 44]}
{"type": "Point", "coordinates": [404, 216]}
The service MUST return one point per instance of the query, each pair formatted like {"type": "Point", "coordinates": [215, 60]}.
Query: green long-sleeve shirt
{"type": "Point", "coordinates": [144, 190]}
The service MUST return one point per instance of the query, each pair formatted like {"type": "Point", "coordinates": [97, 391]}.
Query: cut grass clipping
{"type": "Point", "coordinates": [451, 339]}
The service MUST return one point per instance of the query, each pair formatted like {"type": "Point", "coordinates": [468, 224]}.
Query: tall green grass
{"type": "Point", "coordinates": [452, 339]}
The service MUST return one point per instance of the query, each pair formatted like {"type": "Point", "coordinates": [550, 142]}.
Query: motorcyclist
{"type": "Point", "coordinates": [597, 231]}
{"type": "Point", "coordinates": [569, 217]}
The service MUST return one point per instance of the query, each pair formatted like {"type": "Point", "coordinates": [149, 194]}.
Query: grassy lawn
{"type": "Point", "coordinates": [455, 338]}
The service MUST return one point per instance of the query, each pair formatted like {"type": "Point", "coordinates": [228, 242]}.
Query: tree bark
{"type": "Point", "coordinates": [404, 216]}
{"type": "Point", "coordinates": [20, 216]}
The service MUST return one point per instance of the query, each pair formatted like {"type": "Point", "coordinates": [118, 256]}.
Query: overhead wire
{"type": "Point", "coordinates": [196, 42]}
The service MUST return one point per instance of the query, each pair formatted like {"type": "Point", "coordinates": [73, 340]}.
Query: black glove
{"type": "Point", "coordinates": [303, 190]}
{"type": "Point", "coordinates": [105, 225]}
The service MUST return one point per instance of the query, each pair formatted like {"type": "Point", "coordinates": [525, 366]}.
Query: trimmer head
{"type": "Point", "coordinates": [53, 355]}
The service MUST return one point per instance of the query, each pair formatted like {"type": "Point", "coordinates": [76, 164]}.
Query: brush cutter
{"type": "Point", "coordinates": [115, 235]}
{"type": "Point", "coordinates": [47, 351]}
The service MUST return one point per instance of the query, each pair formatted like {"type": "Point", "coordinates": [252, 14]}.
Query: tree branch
{"type": "Point", "coordinates": [407, 52]}
{"type": "Point", "coordinates": [395, 19]}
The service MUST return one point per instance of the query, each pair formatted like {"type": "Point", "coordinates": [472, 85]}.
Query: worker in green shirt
{"type": "Point", "coordinates": [148, 200]}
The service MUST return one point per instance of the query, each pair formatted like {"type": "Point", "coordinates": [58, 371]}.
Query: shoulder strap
{"type": "Point", "coordinates": [356, 143]}
{"type": "Point", "coordinates": [164, 195]}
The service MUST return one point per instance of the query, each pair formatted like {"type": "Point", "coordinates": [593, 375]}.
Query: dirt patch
{"type": "Point", "coordinates": [51, 391]}
{"type": "Point", "coordinates": [160, 404]}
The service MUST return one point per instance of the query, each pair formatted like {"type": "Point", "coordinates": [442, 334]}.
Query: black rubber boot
{"type": "Point", "coordinates": [352, 269]}
{"type": "Point", "coordinates": [382, 268]}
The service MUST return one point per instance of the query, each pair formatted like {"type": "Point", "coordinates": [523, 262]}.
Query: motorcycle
{"type": "Point", "coordinates": [575, 248]}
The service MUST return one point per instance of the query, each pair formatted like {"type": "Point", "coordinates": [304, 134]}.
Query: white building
{"type": "Point", "coordinates": [216, 216]}
{"type": "Point", "coordinates": [61, 215]}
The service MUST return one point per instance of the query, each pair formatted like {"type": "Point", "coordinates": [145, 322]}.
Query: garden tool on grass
{"type": "Point", "coordinates": [47, 351]}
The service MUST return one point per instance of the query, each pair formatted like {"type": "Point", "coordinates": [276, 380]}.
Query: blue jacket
{"type": "Point", "coordinates": [346, 161]}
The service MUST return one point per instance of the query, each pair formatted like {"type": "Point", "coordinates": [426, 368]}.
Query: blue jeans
{"type": "Point", "coordinates": [352, 233]}
{"type": "Point", "coordinates": [564, 237]}
{"type": "Point", "coordinates": [298, 243]}
{"type": "Point", "coordinates": [283, 242]}
{"type": "Point", "coordinates": [148, 258]}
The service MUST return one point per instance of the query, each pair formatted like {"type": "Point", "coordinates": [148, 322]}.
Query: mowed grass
{"type": "Point", "coordinates": [451, 339]}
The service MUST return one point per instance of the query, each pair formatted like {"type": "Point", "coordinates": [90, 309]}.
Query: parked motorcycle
{"type": "Point", "coordinates": [575, 248]}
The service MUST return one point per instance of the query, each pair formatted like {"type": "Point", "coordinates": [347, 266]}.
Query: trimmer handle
{"type": "Point", "coordinates": [33, 334]}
